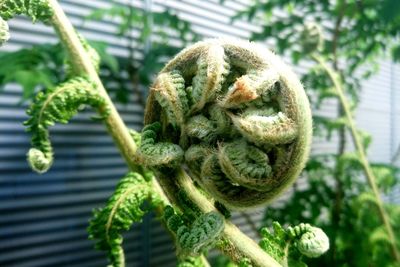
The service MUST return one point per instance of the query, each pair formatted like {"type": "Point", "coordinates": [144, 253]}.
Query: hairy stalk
{"type": "Point", "coordinates": [361, 152]}
{"type": "Point", "coordinates": [81, 61]}
{"type": "Point", "coordinates": [242, 245]}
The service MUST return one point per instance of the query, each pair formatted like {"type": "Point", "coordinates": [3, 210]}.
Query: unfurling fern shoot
{"type": "Point", "coordinates": [240, 115]}
{"type": "Point", "coordinates": [57, 105]}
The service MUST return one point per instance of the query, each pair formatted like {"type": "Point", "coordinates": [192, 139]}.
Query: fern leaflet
{"type": "Point", "coordinates": [36, 9]}
{"type": "Point", "coordinates": [57, 105]}
{"type": "Point", "coordinates": [122, 210]}
{"type": "Point", "coordinates": [200, 236]}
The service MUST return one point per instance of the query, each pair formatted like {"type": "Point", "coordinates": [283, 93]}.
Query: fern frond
{"type": "Point", "coordinates": [288, 246]}
{"type": "Point", "coordinates": [36, 9]}
{"type": "Point", "coordinates": [122, 210]}
{"type": "Point", "coordinates": [57, 105]}
{"type": "Point", "coordinates": [4, 31]}
{"type": "Point", "coordinates": [199, 236]}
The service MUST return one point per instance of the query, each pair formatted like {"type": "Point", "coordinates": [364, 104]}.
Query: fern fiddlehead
{"type": "Point", "coordinates": [35, 9]}
{"type": "Point", "coordinates": [310, 241]}
{"type": "Point", "coordinates": [120, 212]}
{"type": "Point", "coordinates": [59, 104]}
{"type": "Point", "coordinates": [288, 246]}
{"type": "Point", "coordinates": [240, 116]}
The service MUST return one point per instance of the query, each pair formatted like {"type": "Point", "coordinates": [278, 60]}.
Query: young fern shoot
{"type": "Point", "coordinates": [228, 111]}
{"type": "Point", "coordinates": [57, 105]}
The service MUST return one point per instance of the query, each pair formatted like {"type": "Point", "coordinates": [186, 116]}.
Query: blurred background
{"type": "Point", "coordinates": [43, 218]}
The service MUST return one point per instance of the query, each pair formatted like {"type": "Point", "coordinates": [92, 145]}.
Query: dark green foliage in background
{"type": "Point", "coordinates": [43, 66]}
{"type": "Point", "coordinates": [336, 196]}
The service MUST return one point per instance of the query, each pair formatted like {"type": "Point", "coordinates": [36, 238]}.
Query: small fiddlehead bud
{"type": "Point", "coordinates": [36, 9]}
{"type": "Point", "coordinates": [311, 37]}
{"type": "Point", "coordinates": [4, 31]}
{"type": "Point", "coordinates": [310, 241]}
{"type": "Point", "coordinates": [240, 115]}
{"type": "Point", "coordinates": [289, 245]}
{"type": "Point", "coordinates": [58, 104]}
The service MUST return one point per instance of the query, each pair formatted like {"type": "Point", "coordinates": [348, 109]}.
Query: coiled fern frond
{"type": "Point", "coordinates": [36, 9]}
{"type": "Point", "coordinates": [310, 241]}
{"type": "Point", "coordinates": [122, 210]}
{"type": "Point", "coordinates": [239, 115]}
{"type": "Point", "coordinates": [288, 246]}
{"type": "Point", "coordinates": [199, 236]}
{"type": "Point", "coordinates": [59, 104]}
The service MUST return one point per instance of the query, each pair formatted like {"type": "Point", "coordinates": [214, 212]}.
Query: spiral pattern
{"type": "Point", "coordinates": [240, 115]}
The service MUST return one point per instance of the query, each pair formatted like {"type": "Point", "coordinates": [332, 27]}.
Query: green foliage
{"type": "Point", "coordinates": [289, 246]}
{"type": "Point", "coordinates": [44, 66]}
{"type": "Point", "coordinates": [155, 52]}
{"type": "Point", "coordinates": [336, 197]}
{"type": "Point", "coordinates": [57, 104]}
{"type": "Point", "coordinates": [124, 208]}
{"type": "Point", "coordinates": [36, 9]}
{"type": "Point", "coordinates": [199, 236]}
{"type": "Point", "coordinates": [154, 153]}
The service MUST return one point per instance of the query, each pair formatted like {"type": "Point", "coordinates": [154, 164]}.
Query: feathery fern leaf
{"type": "Point", "coordinates": [122, 210]}
{"type": "Point", "coordinates": [36, 9]}
{"type": "Point", "coordinates": [288, 246]}
{"type": "Point", "coordinates": [57, 105]}
{"type": "Point", "coordinates": [200, 236]}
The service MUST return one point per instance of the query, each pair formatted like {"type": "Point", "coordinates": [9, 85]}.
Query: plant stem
{"type": "Point", "coordinates": [361, 152]}
{"type": "Point", "coordinates": [242, 245]}
{"type": "Point", "coordinates": [81, 61]}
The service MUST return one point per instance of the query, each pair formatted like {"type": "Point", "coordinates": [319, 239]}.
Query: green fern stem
{"type": "Point", "coordinates": [335, 78]}
{"type": "Point", "coordinates": [57, 105]}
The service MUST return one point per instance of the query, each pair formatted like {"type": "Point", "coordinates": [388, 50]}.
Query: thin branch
{"type": "Point", "coordinates": [361, 152]}
{"type": "Point", "coordinates": [81, 61]}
